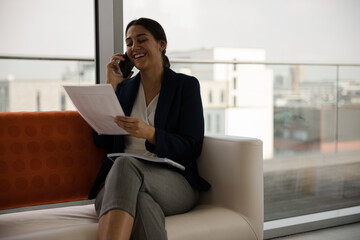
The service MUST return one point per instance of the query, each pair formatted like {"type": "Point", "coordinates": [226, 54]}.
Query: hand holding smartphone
{"type": "Point", "coordinates": [126, 66]}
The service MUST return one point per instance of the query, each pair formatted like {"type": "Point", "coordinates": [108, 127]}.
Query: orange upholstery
{"type": "Point", "coordinates": [46, 157]}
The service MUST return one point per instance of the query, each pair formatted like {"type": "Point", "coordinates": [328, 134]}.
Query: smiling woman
{"type": "Point", "coordinates": [164, 117]}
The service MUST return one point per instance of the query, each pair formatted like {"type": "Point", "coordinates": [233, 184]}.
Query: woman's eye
{"type": "Point", "coordinates": [142, 40]}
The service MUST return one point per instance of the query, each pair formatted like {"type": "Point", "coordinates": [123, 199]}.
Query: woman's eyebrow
{"type": "Point", "coordinates": [139, 35]}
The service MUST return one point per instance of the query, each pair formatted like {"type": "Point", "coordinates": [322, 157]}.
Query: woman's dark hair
{"type": "Point", "coordinates": [156, 30]}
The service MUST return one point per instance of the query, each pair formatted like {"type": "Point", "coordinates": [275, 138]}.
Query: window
{"type": "Point", "coordinates": [294, 88]}
{"type": "Point", "coordinates": [53, 47]}
{"type": "Point", "coordinates": [38, 101]}
{"type": "Point", "coordinates": [63, 101]}
{"type": "Point", "coordinates": [4, 97]}
{"type": "Point", "coordinates": [218, 123]}
{"type": "Point", "coordinates": [208, 122]}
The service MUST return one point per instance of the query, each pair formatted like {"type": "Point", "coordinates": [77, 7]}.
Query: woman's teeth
{"type": "Point", "coordinates": [139, 55]}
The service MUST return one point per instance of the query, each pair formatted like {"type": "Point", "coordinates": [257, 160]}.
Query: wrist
{"type": "Point", "coordinates": [114, 85]}
{"type": "Point", "coordinates": [151, 135]}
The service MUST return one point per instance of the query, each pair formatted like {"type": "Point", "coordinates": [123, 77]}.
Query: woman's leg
{"type": "Point", "coordinates": [115, 224]}
{"type": "Point", "coordinates": [149, 220]}
{"type": "Point", "coordinates": [116, 202]}
{"type": "Point", "coordinates": [147, 192]}
{"type": "Point", "coordinates": [164, 192]}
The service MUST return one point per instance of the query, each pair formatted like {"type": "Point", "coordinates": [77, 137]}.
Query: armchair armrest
{"type": "Point", "coordinates": [234, 168]}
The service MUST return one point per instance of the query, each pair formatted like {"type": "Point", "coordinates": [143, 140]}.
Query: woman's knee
{"type": "Point", "coordinates": [124, 168]}
{"type": "Point", "coordinates": [125, 164]}
{"type": "Point", "coordinates": [122, 162]}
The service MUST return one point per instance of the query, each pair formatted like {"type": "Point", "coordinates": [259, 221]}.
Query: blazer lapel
{"type": "Point", "coordinates": [167, 93]}
{"type": "Point", "coordinates": [128, 94]}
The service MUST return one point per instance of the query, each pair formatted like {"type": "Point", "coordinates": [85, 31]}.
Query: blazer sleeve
{"type": "Point", "coordinates": [185, 143]}
{"type": "Point", "coordinates": [103, 141]}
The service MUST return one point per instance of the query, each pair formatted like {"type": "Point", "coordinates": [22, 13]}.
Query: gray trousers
{"type": "Point", "coordinates": [147, 191]}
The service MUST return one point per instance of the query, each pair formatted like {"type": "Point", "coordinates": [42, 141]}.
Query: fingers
{"type": "Point", "coordinates": [118, 56]}
{"type": "Point", "coordinates": [136, 127]}
{"type": "Point", "coordinates": [126, 119]}
{"type": "Point", "coordinates": [127, 123]}
{"type": "Point", "coordinates": [132, 125]}
{"type": "Point", "coordinates": [113, 64]}
{"type": "Point", "coordinates": [114, 61]}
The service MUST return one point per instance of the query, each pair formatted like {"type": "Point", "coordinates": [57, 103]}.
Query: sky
{"type": "Point", "coordinates": [289, 30]}
{"type": "Point", "coordinates": [47, 28]}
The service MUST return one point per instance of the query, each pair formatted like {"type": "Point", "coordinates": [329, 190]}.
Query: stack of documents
{"type": "Point", "coordinates": [98, 105]}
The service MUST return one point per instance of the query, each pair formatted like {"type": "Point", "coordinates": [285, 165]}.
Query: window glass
{"type": "Point", "coordinates": [278, 26]}
{"type": "Point", "coordinates": [307, 115]}
{"type": "Point", "coordinates": [65, 29]}
{"type": "Point", "coordinates": [32, 45]}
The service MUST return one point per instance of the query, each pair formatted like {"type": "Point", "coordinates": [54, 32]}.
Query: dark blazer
{"type": "Point", "coordinates": [179, 125]}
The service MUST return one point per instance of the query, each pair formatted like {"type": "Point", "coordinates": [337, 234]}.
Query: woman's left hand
{"type": "Point", "coordinates": [136, 128]}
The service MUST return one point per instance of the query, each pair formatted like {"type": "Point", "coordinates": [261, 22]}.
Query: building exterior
{"type": "Point", "coordinates": [237, 98]}
{"type": "Point", "coordinates": [35, 95]}
{"type": "Point", "coordinates": [291, 113]}
{"type": "Point", "coordinates": [317, 117]}
{"type": "Point", "coordinates": [42, 94]}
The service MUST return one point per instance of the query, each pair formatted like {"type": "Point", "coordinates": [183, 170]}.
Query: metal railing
{"type": "Point", "coordinates": [188, 61]}
{"type": "Point", "coordinates": [198, 61]}
{"type": "Point", "coordinates": [45, 58]}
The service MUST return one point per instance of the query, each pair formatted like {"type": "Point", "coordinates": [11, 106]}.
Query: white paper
{"type": "Point", "coordinates": [98, 105]}
{"type": "Point", "coordinates": [113, 156]}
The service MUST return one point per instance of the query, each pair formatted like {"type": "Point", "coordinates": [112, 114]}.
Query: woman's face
{"type": "Point", "coordinates": [142, 48]}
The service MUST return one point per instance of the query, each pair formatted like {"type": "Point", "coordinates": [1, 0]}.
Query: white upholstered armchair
{"type": "Point", "coordinates": [232, 209]}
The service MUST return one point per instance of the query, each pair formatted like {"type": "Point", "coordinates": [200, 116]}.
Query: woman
{"type": "Point", "coordinates": [164, 117]}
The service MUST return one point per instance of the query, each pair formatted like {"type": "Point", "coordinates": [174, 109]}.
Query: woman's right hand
{"type": "Point", "coordinates": [113, 74]}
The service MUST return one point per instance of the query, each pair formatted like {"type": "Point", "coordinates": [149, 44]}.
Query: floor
{"type": "Point", "coordinates": [346, 232]}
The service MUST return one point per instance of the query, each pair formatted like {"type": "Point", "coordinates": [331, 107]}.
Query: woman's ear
{"type": "Point", "coordinates": [162, 45]}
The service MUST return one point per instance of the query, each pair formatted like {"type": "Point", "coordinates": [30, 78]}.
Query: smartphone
{"type": "Point", "coordinates": [126, 66]}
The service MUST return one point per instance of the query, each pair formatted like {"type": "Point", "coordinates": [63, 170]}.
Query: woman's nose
{"type": "Point", "coordinates": [135, 46]}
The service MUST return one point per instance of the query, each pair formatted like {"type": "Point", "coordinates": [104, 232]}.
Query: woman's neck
{"type": "Point", "coordinates": [152, 77]}
{"type": "Point", "coordinates": [151, 81]}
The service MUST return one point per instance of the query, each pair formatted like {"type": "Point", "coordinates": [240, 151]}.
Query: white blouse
{"type": "Point", "coordinates": [146, 114]}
